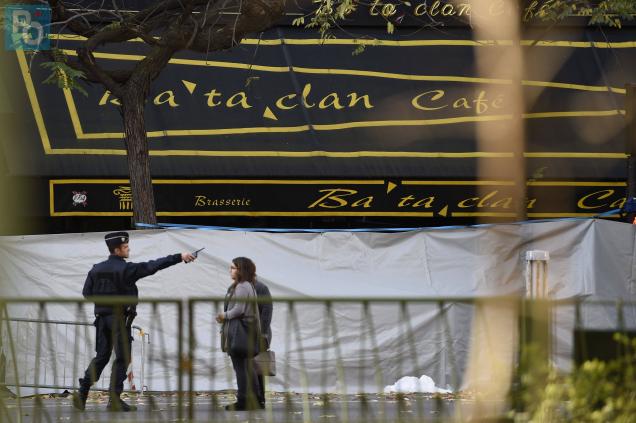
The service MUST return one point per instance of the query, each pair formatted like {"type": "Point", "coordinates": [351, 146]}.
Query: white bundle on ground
{"type": "Point", "coordinates": [412, 384]}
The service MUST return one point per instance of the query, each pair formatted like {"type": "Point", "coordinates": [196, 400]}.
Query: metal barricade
{"type": "Point", "coordinates": [353, 360]}
{"type": "Point", "coordinates": [60, 336]}
{"type": "Point", "coordinates": [42, 359]}
{"type": "Point", "coordinates": [336, 358]}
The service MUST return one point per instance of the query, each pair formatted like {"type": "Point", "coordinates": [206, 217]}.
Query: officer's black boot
{"type": "Point", "coordinates": [79, 397]}
{"type": "Point", "coordinates": [117, 404]}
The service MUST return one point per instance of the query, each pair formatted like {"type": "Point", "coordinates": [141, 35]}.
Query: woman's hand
{"type": "Point", "coordinates": [220, 318]}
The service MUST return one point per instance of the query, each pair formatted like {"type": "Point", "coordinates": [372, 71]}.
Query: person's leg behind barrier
{"type": "Point", "coordinates": [247, 384]}
{"type": "Point", "coordinates": [103, 350]}
{"type": "Point", "coordinates": [253, 388]}
{"type": "Point", "coordinates": [261, 391]}
{"type": "Point", "coordinates": [123, 347]}
{"type": "Point", "coordinates": [241, 383]}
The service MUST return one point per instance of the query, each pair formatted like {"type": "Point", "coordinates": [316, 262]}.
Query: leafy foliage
{"type": "Point", "coordinates": [605, 12]}
{"type": "Point", "coordinates": [328, 13]}
{"type": "Point", "coordinates": [63, 75]}
{"type": "Point", "coordinates": [595, 392]}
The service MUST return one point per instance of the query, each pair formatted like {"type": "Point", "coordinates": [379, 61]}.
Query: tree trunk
{"type": "Point", "coordinates": [133, 107]}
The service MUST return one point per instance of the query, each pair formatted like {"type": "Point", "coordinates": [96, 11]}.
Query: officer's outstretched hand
{"type": "Point", "coordinates": [187, 257]}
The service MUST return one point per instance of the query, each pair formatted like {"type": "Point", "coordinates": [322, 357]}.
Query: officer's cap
{"type": "Point", "coordinates": [115, 239]}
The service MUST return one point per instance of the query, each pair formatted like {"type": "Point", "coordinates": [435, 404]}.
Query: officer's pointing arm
{"type": "Point", "coordinates": [136, 271]}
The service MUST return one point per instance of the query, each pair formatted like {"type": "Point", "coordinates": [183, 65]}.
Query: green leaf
{"type": "Point", "coordinates": [64, 76]}
{"type": "Point", "coordinates": [358, 50]}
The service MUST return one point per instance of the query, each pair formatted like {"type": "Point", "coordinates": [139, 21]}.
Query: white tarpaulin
{"type": "Point", "coordinates": [319, 348]}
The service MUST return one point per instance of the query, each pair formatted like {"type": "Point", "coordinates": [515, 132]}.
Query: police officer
{"type": "Point", "coordinates": [116, 277]}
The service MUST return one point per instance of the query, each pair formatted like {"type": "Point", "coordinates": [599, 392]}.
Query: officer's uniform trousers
{"type": "Point", "coordinates": [112, 332]}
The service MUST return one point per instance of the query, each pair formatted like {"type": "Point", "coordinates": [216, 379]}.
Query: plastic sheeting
{"type": "Point", "coordinates": [341, 348]}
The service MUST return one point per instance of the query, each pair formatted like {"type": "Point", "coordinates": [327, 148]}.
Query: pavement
{"type": "Point", "coordinates": [208, 407]}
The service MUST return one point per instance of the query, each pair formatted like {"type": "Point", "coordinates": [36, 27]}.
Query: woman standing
{"type": "Point", "coordinates": [240, 332]}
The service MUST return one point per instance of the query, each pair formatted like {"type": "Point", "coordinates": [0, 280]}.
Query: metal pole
{"type": "Point", "coordinates": [537, 274]}
{"type": "Point", "coordinates": [191, 347]}
{"type": "Point", "coordinates": [180, 361]}
{"type": "Point", "coordinates": [630, 139]}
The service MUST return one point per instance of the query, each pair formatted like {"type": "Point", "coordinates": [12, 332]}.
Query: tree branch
{"type": "Point", "coordinates": [254, 16]}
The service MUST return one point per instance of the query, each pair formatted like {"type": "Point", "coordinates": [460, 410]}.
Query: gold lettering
{"type": "Point", "coordinates": [438, 7]}
{"type": "Point", "coordinates": [353, 99]}
{"type": "Point", "coordinates": [330, 100]}
{"type": "Point", "coordinates": [426, 202]}
{"type": "Point", "coordinates": [531, 203]}
{"type": "Point", "coordinates": [448, 10]}
{"type": "Point", "coordinates": [166, 97]}
{"type": "Point", "coordinates": [483, 203]}
{"type": "Point", "coordinates": [306, 91]}
{"type": "Point", "coordinates": [105, 97]}
{"type": "Point", "coordinates": [503, 203]}
{"type": "Point", "coordinates": [372, 10]}
{"type": "Point", "coordinates": [334, 195]}
{"type": "Point", "coordinates": [403, 201]}
{"type": "Point", "coordinates": [595, 196]}
{"type": "Point", "coordinates": [283, 106]}
{"type": "Point", "coordinates": [433, 10]}
{"type": "Point", "coordinates": [464, 9]}
{"type": "Point", "coordinates": [463, 204]}
{"type": "Point", "coordinates": [420, 9]}
{"type": "Point", "coordinates": [461, 102]}
{"type": "Point", "coordinates": [497, 103]}
{"type": "Point", "coordinates": [211, 95]}
{"type": "Point", "coordinates": [388, 10]}
{"type": "Point", "coordinates": [202, 201]}
{"type": "Point", "coordinates": [480, 103]}
{"type": "Point", "coordinates": [364, 202]}
{"type": "Point", "coordinates": [437, 95]}
{"type": "Point", "coordinates": [236, 99]}
{"type": "Point", "coordinates": [618, 203]}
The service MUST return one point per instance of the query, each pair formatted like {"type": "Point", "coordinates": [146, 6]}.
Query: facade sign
{"type": "Point", "coordinates": [437, 199]}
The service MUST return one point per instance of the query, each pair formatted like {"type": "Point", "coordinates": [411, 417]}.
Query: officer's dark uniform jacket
{"type": "Point", "coordinates": [117, 277]}
{"type": "Point", "coordinates": [265, 310]}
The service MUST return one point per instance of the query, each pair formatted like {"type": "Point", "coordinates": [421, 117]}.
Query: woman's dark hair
{"type": "Point", "coordinates": [246, 269]}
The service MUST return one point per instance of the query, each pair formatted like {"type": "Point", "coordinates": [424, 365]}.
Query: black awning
{"type": "Point", "coordinates": [285, 105]}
